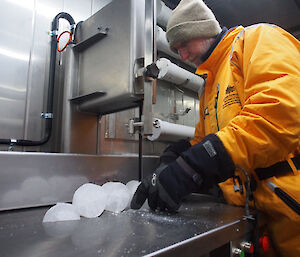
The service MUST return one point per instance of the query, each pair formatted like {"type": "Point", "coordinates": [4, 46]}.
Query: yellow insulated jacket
{"type": "Point", "coordinates": [252, 102]}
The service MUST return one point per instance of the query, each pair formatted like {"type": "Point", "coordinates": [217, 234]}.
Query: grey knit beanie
{"type": "Point", "coordinates": [191, 19]}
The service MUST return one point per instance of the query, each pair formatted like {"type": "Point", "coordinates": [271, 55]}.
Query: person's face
{"type": "Point", "coordinates": [192, 50]}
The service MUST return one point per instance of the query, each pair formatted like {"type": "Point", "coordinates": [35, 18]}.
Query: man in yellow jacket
{"type": "Point", "coordinates": [249, 118]}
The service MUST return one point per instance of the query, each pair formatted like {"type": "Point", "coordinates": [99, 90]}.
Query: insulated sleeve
{"type": "Point", "coordinates": [267, 129]}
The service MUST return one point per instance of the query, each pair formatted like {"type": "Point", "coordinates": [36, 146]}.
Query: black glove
{"type": "Point", "coordinates": [205, 163]}
{"type": "Point", "coordinates": [173, 151]}
{"type": "Point", "coordinates": [165, 188]}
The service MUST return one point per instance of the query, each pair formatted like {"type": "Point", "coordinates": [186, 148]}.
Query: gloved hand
{"type": "Point", "coordinates": [165, 188]}
{"type": "Point", "coordinates": [173, 151]}
{"type": "Point", "coordinates": [205, 163]}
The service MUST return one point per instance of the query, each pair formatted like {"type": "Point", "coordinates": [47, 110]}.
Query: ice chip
{"type": "Point", "coordinates": [61, 212]}
{"type": "Point", "coordinates": [90, 200]}
{"type": "Point", "coordinates": [118, 196]}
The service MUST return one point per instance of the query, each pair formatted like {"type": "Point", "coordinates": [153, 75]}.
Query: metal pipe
{"type": "Point", "coordinates": [170, 132]}
{"type": "Point", "coordinates": [170, 72]}
{"type": "Point", "coordinates": [163, 45]}
{"type": "Point", "coordinates": [163, 13]}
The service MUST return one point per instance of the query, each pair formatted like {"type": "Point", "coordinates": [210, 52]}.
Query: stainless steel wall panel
{"type": "Point", "coordinates": [38, 70]}
{"type": "Point", "coordinates": [172, 100]}
{"type": "Point", "coordinates": [122, 120]}
{"type": "Point", "coordinates": [110, 125]}
{"type": "Point", "coordinates": [99, 4]}
{"type": "Point", "coordinates": [80, 10]}
{"type": "Point", "coordinates": [104, 146]}
{"type": "Point", "coordinates": [183, 101]}
{"type": "Point", "coordinates": [48, 9]}
{"type": "Point", "coordinates": [15, 49]}
{"type": "Point", "coordinates": [25, 63]}
{"type": "Point", "coordinates": [114, 137]}
{"type": "Point", "coordinates": [36, 179]}
{"type": "Point", "coordinates": [83, 135]}
{"type": "Point", "coordinates": [164, 101]}
{"type": "Point", "coordinates": [192, 118]}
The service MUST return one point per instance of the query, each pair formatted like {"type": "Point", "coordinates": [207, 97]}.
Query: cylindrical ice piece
{"type": "Point", "coordinates": [170, 132]}
{"type": "Point", "coordinates": [61, 212]}
{"type": "Point", "coordinates": [172, 73]}
{"type": "Point", "coordinates": [132, 186]}
{"type": "Point", "coordinates": [90, 200]}
{"type": "Point", "coordinates": [118, 196]}
{"type": "Point", "coordinates": [163, 13]}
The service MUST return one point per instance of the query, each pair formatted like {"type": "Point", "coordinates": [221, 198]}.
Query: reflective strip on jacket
{"type": "Point", "coordinates": [252, 102]}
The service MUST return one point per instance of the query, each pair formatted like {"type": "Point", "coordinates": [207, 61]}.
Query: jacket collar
{"type": "Point", "coordinates": [216, 42]}
{"type": "Point", "coordinates": [221, 46]}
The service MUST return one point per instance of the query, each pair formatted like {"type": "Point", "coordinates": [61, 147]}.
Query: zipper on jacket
{"type": "Point", "coordinates": [216, 105]}
{"type": "Point", "coordinates": [286, 198]}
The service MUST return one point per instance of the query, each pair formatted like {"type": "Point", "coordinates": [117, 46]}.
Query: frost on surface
{"type": "Point", "coordinates": [118, 196]}
{"type": "Point", "coordinates": [90, 200]}
{"type": "Point", "coordinates": [61, 212]}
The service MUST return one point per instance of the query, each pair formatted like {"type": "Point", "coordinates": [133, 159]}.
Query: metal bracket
{"type": "Point", "coordinates": [175, 116]}
{"type": "Point", "coordinates": [156, 124]}
{"type": "Point", "coordinates": [86, 43]}
{"type": "Point", "coordinates": [53, 33]}
{"type": "Point", "coordinates": [249, 217]}
{"type": "Point", "coordinates": [85, 98]}
{"type": "Point", "coordinates": [151, 71]}
{"type": "Point", "coordinates": [12, 144]}
{"type": "Point", "coordinates": [148, 73]}
{"type": "Point", "coordinates": [47, 115]}
{"type": "Point", "coordinates": [134, 125]}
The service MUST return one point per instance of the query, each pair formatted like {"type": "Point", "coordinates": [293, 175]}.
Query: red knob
{"type": "Point", "coordinates": [264, 243]}
{"type": "Point", "coordinates": [251, 250]}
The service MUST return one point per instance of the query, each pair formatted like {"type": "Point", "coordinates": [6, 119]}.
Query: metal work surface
{"type": "Point", "coordinates": [199, 227]}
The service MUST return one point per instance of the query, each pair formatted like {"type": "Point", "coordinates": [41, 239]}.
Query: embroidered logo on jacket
{"type": "Point", "coordinates": [230, 89]}
{"type": "Point", "coordinates": [231, 97]}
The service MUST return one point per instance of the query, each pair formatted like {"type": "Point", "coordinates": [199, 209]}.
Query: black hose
{"type": "Point", "coordinates": [63, 15]}
{"type": "Point", "coordinates": [49, 108]}
{"type": "Point", "coordinates": [141, 175]}
{"type": "Point", "coordinates": [252, 221]}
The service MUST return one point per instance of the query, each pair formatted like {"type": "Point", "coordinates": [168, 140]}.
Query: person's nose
{"type": "Point", "coordinates": [183, 53]}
